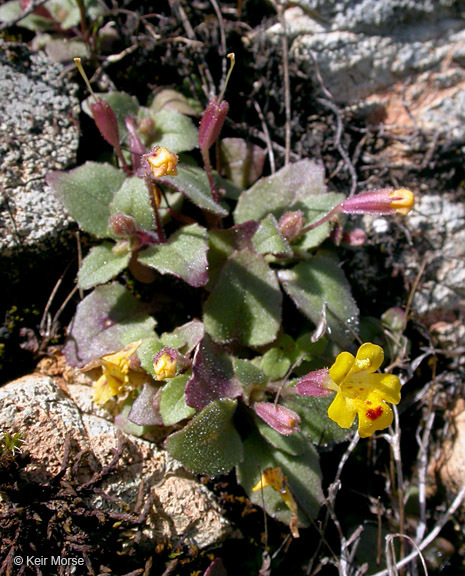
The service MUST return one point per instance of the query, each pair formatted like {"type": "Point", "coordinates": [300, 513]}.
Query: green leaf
{"type": "Point", "coordinates": [105, 321]}
{"type": "Point", "coordinates": [250, 376]}
{"type": "Point", "coordinates": [319, 285]}
{"type": "Point", "coordinates": [302, 472]}
{"type": "Point", "coordinates": [101, 265]}
{"type": "Point", "coordinates": [277, 360]}
{"type": "Point", "coordinates": [298, 186]}
{"type": "Point", "coordinates": [315, 424]}
{"type": "Point", "coordinates": [122, 105]}
{"type": "Point", "coordinates": [268, 240]}
{"type": "Point", "coordinates": [173, 407]}
{"type": "Point", "coordinates": [209, 444]}
{"type": "Point", "coordinates": [292, 444]}
{"type": "Point", "coordinates": [193, 183]}
{"type": "Point", "coordinates": [184, 255]}
{"type": "Point", "coordinates": [86, 193]}
{"type": "Point", "coordinates": [175, 131]}
{"type": "Point", "coordinates": [245, 304]}
{"type": "Point", "coordinates": [133, 199]}
{"type": "Point", "coordinates": [147, 351]}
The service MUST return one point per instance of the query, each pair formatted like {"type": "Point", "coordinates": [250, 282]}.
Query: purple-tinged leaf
{"type": "Point", "coordinates": [105, 321]}
{"type": "Point", "coordinates": [184, 255]}
{"type": "Point", "coordinates": [145, 409]}
{"type": "Point", "coordinates": [213, 376]}
{"type": "Point", "coordinates": [184, 338]}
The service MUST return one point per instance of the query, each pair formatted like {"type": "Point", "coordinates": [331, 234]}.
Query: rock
{"type": "Point", "coordinates": [38, 133]}
{"type": "Point", "coordinates": [400, 62]}
{"type": "Point", "coordinates": [451, 466]}
{"type": "Point", "coordinates": [51, 423]}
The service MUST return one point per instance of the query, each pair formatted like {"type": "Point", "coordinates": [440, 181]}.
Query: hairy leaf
{"type": "Point", "coordinates": [105, 321]}
{"type": "Point", "coordinates": [212, 376]}
{"type": "Point", "coordinates": [318, 286]}
{"type": "Point", "coordinates": [184, 255]}
{"type": "Point", "coordinates": [133, 199]}
{"type": "Point", "coordinates": [302, 472]}
{"type": "Point", "coordinates": [193, 183]}
{"type": "Point", "coordinates": [86, 193]}
{"type": "Point", "coordinates": [209, 444]}
{"type": "Point", "coordinates": [245, 304]}
{"type": "Point", "coordinates": [101, 265]}
{"type": "Point", "coordinates": [173, 407]}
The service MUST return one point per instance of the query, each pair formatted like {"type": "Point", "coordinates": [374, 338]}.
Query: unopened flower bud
{"type": "Point", "coordinates": [162, 162]}
{"type": "Point", "coordinates": [382, 202]}
{"type": "Point", "coordinates": [281, 419]}
{"type": "Point", "coordinates": [355, 237]}
{"type": "Point", "coordinates": [211, 123]}
{"type": "Point", "coordinates": [314, 384]}
{"type": "Point", "coordinates": [164, 363]}
{"type": "Point", "coordinates": [122, 225]}
{"type": "Point", "coordinates": [395, 319]}
{"type": "Point", "coordinates": [290, 225]}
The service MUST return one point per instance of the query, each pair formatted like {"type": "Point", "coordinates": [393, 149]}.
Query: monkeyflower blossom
{"type": "Point", "coordinates": [359, 390]}
{"type": "Point", "coordinates": [381, 202]}
{"type": "Point", "coordinates": [116, 374]}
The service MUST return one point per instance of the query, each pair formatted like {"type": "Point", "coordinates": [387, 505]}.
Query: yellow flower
{"type": "Point", "coordinates": [402, 201]}
{"type": "Point", "coordinates": [361, 391]}
{"type": "Point", "coordinates": [275, 478]}
{"type": "Point", "coordinates": [162, 162]}
{"type": "Point", "coordinates": [115, 376]}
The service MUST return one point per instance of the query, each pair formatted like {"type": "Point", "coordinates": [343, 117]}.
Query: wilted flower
{"type": "Point", "coordinates": [275, 478]}
{"type": "Point", "coordinates": [116, 376]}
{"type": "Point", "coordinates": [162, 162]}
{"type": "Point", "coordinates": [281, 419]}
{"type": "Point", "coordinates": [359, 390]}
{"type": "Point", "coordinates": [164, 363]}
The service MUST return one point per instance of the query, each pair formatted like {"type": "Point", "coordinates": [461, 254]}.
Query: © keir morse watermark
{"type": "Point", "coordinates": [47, 561]}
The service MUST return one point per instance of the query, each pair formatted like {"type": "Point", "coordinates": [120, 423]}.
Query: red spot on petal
{"type": "Point", "coordinates": [374, 414]}
{"type": "Point", "coordinates": [368, 402]}
{"type": "Point", "coordinates": [361, 389]}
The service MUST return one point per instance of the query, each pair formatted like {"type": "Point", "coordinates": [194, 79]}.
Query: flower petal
{"type": "Point", "coordinates": [387, 387]}
{"type": "Point", "coordinates": [342, 410]}
{"type": "Point", "coordinates": [341, 367]}
{"type": "Point", "coordinates": [369, 358]}
{"type": "Point", "coordinates": [373, 417]}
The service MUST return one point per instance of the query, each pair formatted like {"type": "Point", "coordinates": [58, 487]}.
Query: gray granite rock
{"type": "Point", "coordinates": [404, 57]}
{"type": "Point", "coordinates": [38, 132]}
{"type": "Point", "coordinates": [182, 510]}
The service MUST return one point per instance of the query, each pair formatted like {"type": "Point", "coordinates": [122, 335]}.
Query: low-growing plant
{"type": "Point", "coordinates": [242, 380]}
